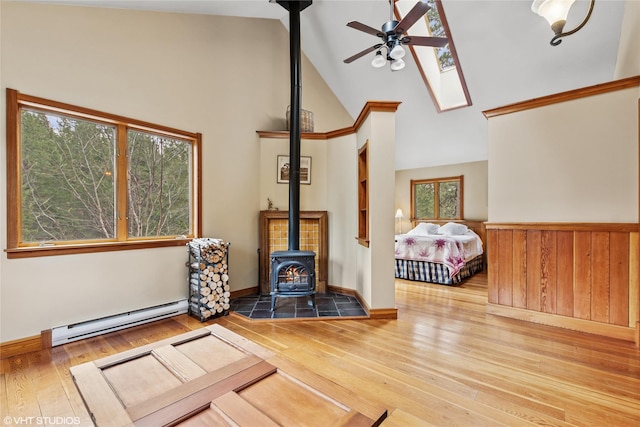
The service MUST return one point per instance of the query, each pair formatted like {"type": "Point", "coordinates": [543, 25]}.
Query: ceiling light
{"type": "Point", "coordinates": [397, 64]}
{"type": "Point", "coordinates": [397, 52]}
{"type": "Point", "coordinates": [378, 60]}
{"type": "Point", "coordinates": [555, 12]}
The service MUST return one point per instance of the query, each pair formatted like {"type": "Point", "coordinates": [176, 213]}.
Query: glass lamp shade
{"type": "Point", "coordinates": [399, 214]}
{"type": "Point", "coordinates": [397, 52]}
{"type": "Point", "coordinates": [378, 60]}
{"type": "Point", "coordinates": [554, 11]}
{"type": "Point", "coordinates": [397, 64]}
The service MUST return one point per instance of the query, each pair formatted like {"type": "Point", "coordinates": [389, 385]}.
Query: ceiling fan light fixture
{"type": "Point", "coordinates": [397, 65]}
{"type": "Point", "coordinates": [556, 12]}
{"type": "Point", "coordinates": [378, 61]}
{"type": "Point", "coordinates": [397, 52]}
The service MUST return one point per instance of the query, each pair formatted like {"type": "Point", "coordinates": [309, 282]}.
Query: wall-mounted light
{"type": "Point", "coordinates": [555, 12]}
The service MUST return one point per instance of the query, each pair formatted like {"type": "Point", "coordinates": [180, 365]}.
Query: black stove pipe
{"type": "Point", "coordinates": [294, 136]}
{"type": "Point", "coordinates": [294, 8]}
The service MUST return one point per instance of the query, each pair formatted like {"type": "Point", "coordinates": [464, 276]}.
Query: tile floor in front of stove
{"type": "Point", "coordinates": [327, 305]}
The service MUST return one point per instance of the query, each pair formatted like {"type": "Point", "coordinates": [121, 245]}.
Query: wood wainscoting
{"type": "Point", "coordinates": [581, 276]}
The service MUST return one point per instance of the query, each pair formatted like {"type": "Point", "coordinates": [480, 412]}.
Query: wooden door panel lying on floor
{"type": "Point", "coordinates": [213, 376]}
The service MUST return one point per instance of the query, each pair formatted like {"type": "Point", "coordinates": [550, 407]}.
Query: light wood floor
{"type": "Point", "coordinates": [443, 362]}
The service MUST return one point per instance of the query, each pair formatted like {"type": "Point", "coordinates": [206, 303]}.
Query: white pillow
{"type": "Point", "coordinates": [453, 229]}
{"type": "Point", "coordinates": [424, 229]}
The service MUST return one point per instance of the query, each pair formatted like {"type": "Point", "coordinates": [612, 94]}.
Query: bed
{"type": "Point", "coordinates": [443, 253]}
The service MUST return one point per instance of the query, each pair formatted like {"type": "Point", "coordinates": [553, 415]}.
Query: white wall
{"type": "Point", "coordinates": [342, 204]}
{"type": "Point", "coordinates": [381, 210]}
{"type": "Point", "coordinates": [313, 197]}
{"type": "Point", "coordinates": [628, 59]}
{"type": "Point", "coordinates": [375, 275]}
{"type": "Point", "coordinates": [573, 161]}
{"type": "Point", "coordinates": [167, 69]}
{"type": "Point", "coordinates": [475, 188]}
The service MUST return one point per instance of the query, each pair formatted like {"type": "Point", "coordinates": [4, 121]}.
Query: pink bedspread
{"type": "Point", "coordinates": [452, 251]}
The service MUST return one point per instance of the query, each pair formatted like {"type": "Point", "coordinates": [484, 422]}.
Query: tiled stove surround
{"type": "Point", "coordinates": [313, 237]}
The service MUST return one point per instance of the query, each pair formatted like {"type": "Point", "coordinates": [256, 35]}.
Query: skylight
{"type": "Point", "coordinates": [439, 67]}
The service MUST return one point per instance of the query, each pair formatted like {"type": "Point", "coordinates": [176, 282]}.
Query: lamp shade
{"type": "Point", "coordinates": [554, 11]}
{"type": "Point", "coordinates": [399, 214]}
{"type": "Point", "coordinates": [378, 60]}
{"type": "Point", "coordinates": [397, 52]}
{"type": "Point", "coordinates": [397, 64]}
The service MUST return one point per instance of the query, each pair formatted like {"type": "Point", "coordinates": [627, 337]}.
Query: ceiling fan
{"type": "Point", "coordinates": [391, 34]}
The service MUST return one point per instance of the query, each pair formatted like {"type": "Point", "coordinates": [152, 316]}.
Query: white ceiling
{"type": "Point", "coordinates": [502, 46]}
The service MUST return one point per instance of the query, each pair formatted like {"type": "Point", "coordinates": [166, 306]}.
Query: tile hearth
{"type": "Point", "coordinates": [327, 305]}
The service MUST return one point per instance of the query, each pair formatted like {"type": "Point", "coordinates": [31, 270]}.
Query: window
{"type": "Point", "coordinates": [85, 181]}
{"type": "Point", "coordinates": [439, 198]}
{"type": "Point", "coordinates": [439, 67]}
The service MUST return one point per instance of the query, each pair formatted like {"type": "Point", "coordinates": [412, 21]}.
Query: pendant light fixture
{"type": "Point", "coordinates": [555, 12]}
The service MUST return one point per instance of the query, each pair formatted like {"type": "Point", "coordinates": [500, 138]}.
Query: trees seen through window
{"type": "Point", "coordinates": [439, 198]}
{"type": "Point", "coordinates": [84, 177]}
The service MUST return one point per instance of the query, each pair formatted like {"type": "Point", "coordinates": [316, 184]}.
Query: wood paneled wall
{"type": "Point", "coordinates": [579, 276]}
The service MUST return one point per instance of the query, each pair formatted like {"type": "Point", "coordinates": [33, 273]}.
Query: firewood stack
{"type": "Point", "coordinates": [209, 289]}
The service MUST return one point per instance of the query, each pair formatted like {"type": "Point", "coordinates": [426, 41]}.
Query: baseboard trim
{"type": "Point", "coordinates": [581, 325]}
{"type": "Point", "coordinates": [20, 346]}
{"type": "Point", "coordinates": [244, 292]}
{"type": "Point", "coordinates": [374, 313]}
{"type": "Point", "coordinates": [383, 313]}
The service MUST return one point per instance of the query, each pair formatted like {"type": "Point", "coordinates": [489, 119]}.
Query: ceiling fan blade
{"type": "Point", "coordinates": [362, 27]}
{"type": "Point", "coordinates": [363, 53]}
{"type": "Point", "coordinates": [425, 41]}
{"type": "Point", "coordinates": [414, 14]}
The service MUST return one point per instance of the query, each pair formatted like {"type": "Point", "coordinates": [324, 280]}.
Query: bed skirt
{"type": "Point", "coordinates": [436, 273]}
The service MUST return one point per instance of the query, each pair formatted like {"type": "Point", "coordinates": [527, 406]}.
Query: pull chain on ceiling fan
{"type": "Point", "coordinates": [392, 36]}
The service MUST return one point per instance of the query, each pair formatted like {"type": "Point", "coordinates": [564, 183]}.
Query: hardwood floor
{"type": "Point", "coordinates": [443, 362]}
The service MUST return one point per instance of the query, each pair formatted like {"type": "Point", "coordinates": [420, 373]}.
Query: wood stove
{"type": "Point", "coordinates": [293, 270]}
{"type": "Point", "coordinates": [293, 275]}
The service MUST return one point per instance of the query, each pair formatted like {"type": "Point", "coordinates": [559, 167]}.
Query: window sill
{"type": "Point", "coordinates": [40, 251]}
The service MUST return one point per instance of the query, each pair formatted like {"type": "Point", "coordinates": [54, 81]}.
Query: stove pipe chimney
{"type": "Point", "coordinates": [294, 8]}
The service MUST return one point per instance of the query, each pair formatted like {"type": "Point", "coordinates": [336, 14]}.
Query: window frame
{"type": "Point", "coordinates": [431, 81]}
{"type": "Point", "coordinates": [15, 101]}
{"type": "Point", "coordinates": [437, 181]}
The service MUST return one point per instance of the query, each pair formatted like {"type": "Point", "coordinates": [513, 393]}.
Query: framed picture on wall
{"type": "Point", "coordinates": [284, 166]}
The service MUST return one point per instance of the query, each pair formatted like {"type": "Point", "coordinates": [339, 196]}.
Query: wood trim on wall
{"type": "Point", "coordinates": [603, 329]}
{"type": "Point", "coordinates": [369, 107]}
{"type": "Point", "coordinates": [373, 313]}
{"type": "Point", "coordinates": [21, 346]}
{"type": "Point", "coordinates": [587, 274]}
{"type": "Point", "coordinates": [564, 96]}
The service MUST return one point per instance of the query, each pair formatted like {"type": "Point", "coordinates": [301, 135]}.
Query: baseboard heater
{"type": "Point", "coordinates": [77, 331]}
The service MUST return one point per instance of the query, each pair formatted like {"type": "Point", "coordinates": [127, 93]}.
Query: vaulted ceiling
{"type": "Point", "coordinates": [503, 49]}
